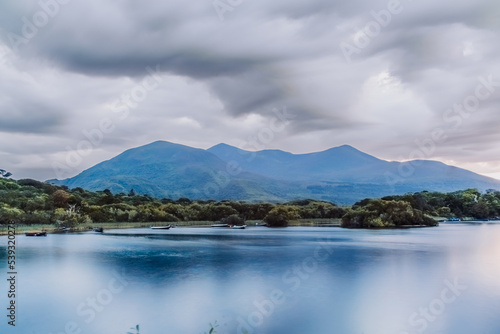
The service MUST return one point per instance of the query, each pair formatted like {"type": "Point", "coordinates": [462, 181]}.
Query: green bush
{"type": "Point", "coordinates": [385, 213]}
{"type": "Point", "coordinates": [281, 215]}
{"type": "Point", "coordinates": [233, 220]}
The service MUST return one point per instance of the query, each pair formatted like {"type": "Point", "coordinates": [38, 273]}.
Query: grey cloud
{"type": "Point", "coordinates": [29, 120]}
{"type": "Point", "coordinates": [179, 46]}
{"type": "Point", "coordinates": [266, 55]}
{"type": "Point", "coordinates": [249, 92]}
{"type": "Point", "coordinates": [22, 113]}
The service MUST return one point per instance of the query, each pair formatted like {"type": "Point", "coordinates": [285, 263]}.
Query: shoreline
{"type": "Point", "coordinates": [53, 229]}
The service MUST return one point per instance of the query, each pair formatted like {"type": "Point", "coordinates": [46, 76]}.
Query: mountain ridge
{"type": "Point", "coordinates": [341, 174]}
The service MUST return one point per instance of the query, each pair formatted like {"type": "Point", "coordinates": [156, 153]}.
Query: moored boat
{"type": "Point", "coordinates": [161, 227]}
{"type": "Point", "coordinates": [220, 225]}
{"type": "Point", "coordinates": [36, 234]}
{"type": "Point", "coordinates": [239, 227]}
{"type": "Point", "coordinates": [98, 229]}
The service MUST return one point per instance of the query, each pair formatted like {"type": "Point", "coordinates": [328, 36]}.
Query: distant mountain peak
{"type": "Point", "coordinates": [163, 143]}
{"type": "Point", "coordinates": [340, 174]}
{"type": "Point", "coordinates": [349, 147]}
{"type": "Point", "coordinates": [221, 145]}
{"type": "Point", "coordinates": [346, 148]}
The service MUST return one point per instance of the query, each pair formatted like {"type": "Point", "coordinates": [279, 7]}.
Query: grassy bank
{"type": "Point", "coordinates": [52, 228]}
{"type": "Point", "coordinates": [316, 222]}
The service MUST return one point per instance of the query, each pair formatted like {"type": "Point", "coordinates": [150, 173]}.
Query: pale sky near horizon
{"type": "Point", "coordinates": [399, 80]}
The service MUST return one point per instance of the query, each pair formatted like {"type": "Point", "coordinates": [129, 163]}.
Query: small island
{"type": "Point", "coordinates": [385, 214]}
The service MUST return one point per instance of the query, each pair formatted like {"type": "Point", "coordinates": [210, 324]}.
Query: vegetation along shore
{"type": "Point", "coordinates": [37, 205]}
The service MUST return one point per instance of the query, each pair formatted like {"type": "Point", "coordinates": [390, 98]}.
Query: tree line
{"type": "Point", "coordinates": [33, 202]}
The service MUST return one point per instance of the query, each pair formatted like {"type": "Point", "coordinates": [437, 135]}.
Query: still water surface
{"type": "Point", "coordinates": [259, 280]}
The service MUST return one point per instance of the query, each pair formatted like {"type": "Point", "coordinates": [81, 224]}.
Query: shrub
{"type": "Point", "coordinates": [233, 220]}
{"type": "Point", "coordinates": [281, 215]}
{"type": "Point", "coordinates": [385, 213]}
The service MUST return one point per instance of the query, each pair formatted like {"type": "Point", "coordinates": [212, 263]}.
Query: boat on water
{"type": "Point", "coordinates": [220, 225]}
{"type": "Point", "coordinates": [98, 229]}
{"type": "Point", "coordinates": [161, 227]}
{"type": "Point", "coordinates": [239, 227]}
{"type": "Point", "coordinates": [36, 234]}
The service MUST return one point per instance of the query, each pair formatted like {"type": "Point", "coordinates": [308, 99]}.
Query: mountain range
{"type": "Point", "coordinates": [341, 174]}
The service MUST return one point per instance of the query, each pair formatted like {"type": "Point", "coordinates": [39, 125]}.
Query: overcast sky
{"type": "Point", "coordinates": [82, 81]}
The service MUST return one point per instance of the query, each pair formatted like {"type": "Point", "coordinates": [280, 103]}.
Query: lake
{"type": "Point", "coordinates": [293, 281]}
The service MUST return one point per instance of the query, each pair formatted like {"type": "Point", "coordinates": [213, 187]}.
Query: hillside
{"type": "Point", "coordinates": [341, 174]}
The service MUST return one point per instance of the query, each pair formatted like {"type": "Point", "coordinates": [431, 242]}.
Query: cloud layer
{"type": "Point", "coordinates": [378, 75]}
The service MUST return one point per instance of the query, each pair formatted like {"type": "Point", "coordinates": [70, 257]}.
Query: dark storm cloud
{"type": "Point", "coordinates": [198, 64]}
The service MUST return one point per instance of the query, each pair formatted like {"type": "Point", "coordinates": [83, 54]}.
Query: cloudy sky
{"type": "Point", "coordinates": [81, 81]}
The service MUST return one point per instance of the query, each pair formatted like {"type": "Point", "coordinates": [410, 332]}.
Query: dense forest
{"type": "Point", "coordinates": [34, 202]}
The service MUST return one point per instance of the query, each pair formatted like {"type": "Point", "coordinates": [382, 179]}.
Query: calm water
{"type": "Point", "coordinates": [259, 280]}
